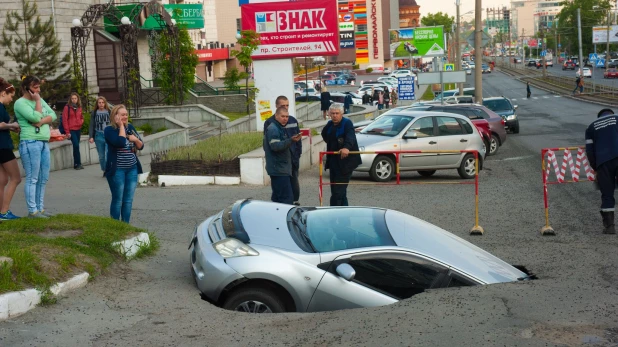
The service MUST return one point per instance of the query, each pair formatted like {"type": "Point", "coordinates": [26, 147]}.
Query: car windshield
{"type": "Point", "coordinates": [387, 125]}
{"type": "Point", "coordinates": [334, 229]}
{"type": "Point", "coordinates": [497, 105]}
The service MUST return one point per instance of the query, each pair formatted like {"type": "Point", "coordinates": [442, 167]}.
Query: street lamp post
{"type": "Point", "coordinates": [478, 54]}
{"type": "Point", "coordinates": [458, 48]}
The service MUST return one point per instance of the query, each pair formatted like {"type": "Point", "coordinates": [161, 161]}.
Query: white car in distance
{"type": "Point", "coordinates": [401, 73]}
{"type": "Point", "coordinates": [586, 72]}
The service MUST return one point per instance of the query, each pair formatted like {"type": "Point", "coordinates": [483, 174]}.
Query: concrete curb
{"type": "Point", "coordinates": [129, 247]}
{"type": "Point", "coordinates": [172, 180]}
{"type": "Point", "coordinates": [17, 303]}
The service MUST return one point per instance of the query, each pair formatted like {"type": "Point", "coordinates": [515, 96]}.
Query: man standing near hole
{"type": "Point", "coordinates": [278, 149]}
{"type": "Point", "coordinates": [292, 129]}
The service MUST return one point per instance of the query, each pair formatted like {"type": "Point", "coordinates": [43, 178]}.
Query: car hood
{"type": "Point", "coordinates": [434, 242]}
{"type": "Point", "coordinates": [266, 224]}
{"type": "Point", "coordinates": [367, 140]}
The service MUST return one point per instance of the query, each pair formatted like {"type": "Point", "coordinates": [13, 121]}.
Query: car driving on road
{"type": "Point", "coordinates": [410, 129]}
{"type": "Point", "coordinates": [505, 109]}
{"type": "Point", "coordinates": [265, 257]}
{"type": "Point", "coordinates": [585, 72]}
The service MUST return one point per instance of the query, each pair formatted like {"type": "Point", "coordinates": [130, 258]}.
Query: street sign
{"type": "Point", "coordinates": [559, 45]}
{"type": "Point", "coordinates": [484, 39]}
{"type": "Point", "coordinates": [447, 77]}
{"type": "Point", "coordinates": [593, 57]}
{"type": "Point", "coordinates": [449, 67]}
{"type": "Point", "coordinates": [406, 88]}
{"type": "Point", "coordinates": [543, 53]}
{"type": "Point", "coordinates": [600, 63]}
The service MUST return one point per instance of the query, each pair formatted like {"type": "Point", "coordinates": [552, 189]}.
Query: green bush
{"type": "Point", "coordinates": [146, 128]}
{"type": "Point", "coordinates": [224, 147]}
{"type": "Point", "coordinates": [161, 129]}
{"type": "Point", "coordinates": [368, 70]}
{"type": "Point", "coordinates": [86, 125]}
{"type": "Point", "coordinates": [356, 67]}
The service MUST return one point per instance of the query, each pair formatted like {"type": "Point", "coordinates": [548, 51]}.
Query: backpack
{"type": "Point", "coordinates": [60, 127]}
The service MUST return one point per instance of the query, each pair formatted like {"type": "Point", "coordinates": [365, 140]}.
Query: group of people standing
{"type": "Point", "coordinates": [382, 96]}
{"type": "Point", "coordinates": [283, 148]}
{"type": "Point", "coordinates": [116, 140]}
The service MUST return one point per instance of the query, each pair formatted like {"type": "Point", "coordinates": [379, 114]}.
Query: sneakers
{"type": "Point", "coordinates": [8, 216]}
{"type": "Point", "coordinates": [79, 167]}
{"type": "Point", "coordinates": [36, 214]}
{"type": "Point", "coordinates": [46, 214]}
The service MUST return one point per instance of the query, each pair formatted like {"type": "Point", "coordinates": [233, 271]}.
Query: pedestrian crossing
{"type": "Point", "coordinates": [536, 98]}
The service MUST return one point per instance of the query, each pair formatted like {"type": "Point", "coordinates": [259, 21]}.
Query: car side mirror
{"type": "Point", "coordinates": [346, 271]}
{"type": "Point", "coordinates": [514, 107]}
{"type": "Point", "coordinates": [410, 135]}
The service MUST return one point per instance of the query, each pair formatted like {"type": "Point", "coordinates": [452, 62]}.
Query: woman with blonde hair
{"type": "Point", "coordinates": [9, 171]}
{"type": "Point", "coordinates": [99, 120]}
{"type": "Point", "coordinates": [122, 166]}
{"type": "Point", "coordinates": [324, 100]}
{"type": "Point", "coordinates": [72, 121]}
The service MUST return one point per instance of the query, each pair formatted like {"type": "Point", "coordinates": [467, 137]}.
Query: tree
{"type": "Point", "coordinates": [163, 67]}
{"type": "Point", "coordinates": [232, 76]}
{"type": "Point", "coordinates": [567, 22]}
{"type": "Point", "coordinates": [437, 19]}
{"type": "Point", "coordinates": [33, 45]}
{"type": "Point", "coordinates": [249, 41]}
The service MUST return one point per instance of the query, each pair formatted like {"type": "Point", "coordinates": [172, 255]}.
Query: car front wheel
{"type": "Point", "coordinates": [494, 143]}
{"type": "Point", "coordinates": [467, 168]}
{"type": "Point", "coordinates": [516, 128]}
{"type": "Point", "coordinates": [254, 300]}
{"type": "Point", "coordinates": [383, 169]}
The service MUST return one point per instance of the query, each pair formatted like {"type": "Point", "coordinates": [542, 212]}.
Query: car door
{"type": "Point", "coordinates": [381, 278]}
{"type": "Point", "coordinates": [426, 140]}
{"type": "Point", "coordinates": [451, 137]}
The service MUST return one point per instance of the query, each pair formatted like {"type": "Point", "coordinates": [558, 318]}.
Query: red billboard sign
{"type": "Point", "coordinates": [293, 29]}
{"type": "Point", "coordinates": [213, 54]}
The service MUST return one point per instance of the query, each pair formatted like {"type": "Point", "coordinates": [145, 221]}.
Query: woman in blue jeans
{"type": "Point", "coordinates": [122, 166]}
{"type": "Point", "coordinates": [99, 120]}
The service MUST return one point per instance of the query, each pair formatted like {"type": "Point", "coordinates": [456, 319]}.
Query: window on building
{"type": "Point", "coordinates": [237, 24]}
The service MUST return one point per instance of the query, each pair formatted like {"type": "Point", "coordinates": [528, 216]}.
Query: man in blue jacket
{"type": "Point", "coordinates": [340, 137]}
{"type": "Point", "coordinates": [602, 152]}
{"type": "Point", "coordinates": [292, 129]}
{"type": "Point", "coordinates": [278, 149]}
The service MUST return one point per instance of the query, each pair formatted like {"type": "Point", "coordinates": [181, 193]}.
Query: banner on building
{"type": "Point", "coordinates": [599, 34]}
{"type": "Point", "coordinates": [191, 16]}
{"type": "Point", "coordinates": [213, 54]}
{"type": "Point", "coordinates": [293, 29]}
{"type": "Point", "coordinates": [417, 42]}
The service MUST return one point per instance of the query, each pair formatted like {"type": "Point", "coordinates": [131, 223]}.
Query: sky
{"type": "Point", "coordinates": [448, 6]}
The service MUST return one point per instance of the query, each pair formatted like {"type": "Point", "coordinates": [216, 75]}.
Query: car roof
{"type": "Point", "coordinates": [418, 114]}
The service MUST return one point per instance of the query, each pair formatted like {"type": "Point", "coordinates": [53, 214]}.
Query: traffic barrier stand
{"type": "Point", "coordinates": [475, 230]}
{"type": "Point", "coordinates": [549, 154]}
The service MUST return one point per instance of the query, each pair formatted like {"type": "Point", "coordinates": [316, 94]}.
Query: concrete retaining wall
{"type": "Point", "coordinates": [159, 122]}
{"type": "Point", "coordinates": [187, 114]}
{"type": "Point", "coordinates": [222, 103]}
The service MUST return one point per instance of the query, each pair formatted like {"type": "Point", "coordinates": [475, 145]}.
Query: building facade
{"type": "Point", "coordinates": [522, 18]}
{"type": "Point", "coordinates": [409, 14]}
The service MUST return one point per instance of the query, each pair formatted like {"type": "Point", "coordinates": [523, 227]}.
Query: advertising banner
{"type": "Point", "coordinates": [213, 54]}
{"type": "Point", "coordinates": [346, 26]}
{"type": "Point", "coordinates": [406, 88]}
{"type": "Point", "coordinates": [293, 29]}
{"type": "Point", "coordinates": [189, 15]}
{"type": "Point", "coordinates": [346, 44]}
{"type": "Point", "coordinates": [417, 42]}
{"type": "Point", "coordinates": [599, 34]}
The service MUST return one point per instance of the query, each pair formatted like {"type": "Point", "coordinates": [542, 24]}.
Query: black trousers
{"type": "Point", "coordinates": [295, 184]}
{"type": "Point", "coordinates": [606, 178]}
{"type": "Point", "coordinates": [338, 192]}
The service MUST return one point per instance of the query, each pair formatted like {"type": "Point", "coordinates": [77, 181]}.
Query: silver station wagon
{"type": "Point", "coordinates": [408, 129]}
{"type": "Point", "coordinates": [265, 257]}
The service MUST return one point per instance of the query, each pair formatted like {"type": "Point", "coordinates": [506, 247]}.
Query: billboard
{"type": "Point", "coordinates": [599, 34]}
{"type": "Point", "coordinates": [406, 88]}
{"type": "Point", "coordinates": [417, 42]}
{"type": "Point", "coordinates": [293, 29]}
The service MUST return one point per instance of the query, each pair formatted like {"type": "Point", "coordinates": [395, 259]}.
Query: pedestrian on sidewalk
{"type": "Point", "coordinates": [292, 129]}
{"type": "Point", "coordinates": [528, 91]}
{"type": "Point", "coordinates": [387, 97]}
{"type": "Point", "coordinates": [394, 97]}
{"type": "Point", "coordinates": [122, 166]}
{"type": "Point", "coordinates": [34, 117]}
{"type": "Point", "coordinates": [581, 85]}
{"type": "Point", "coordinates": [72, 125]}
{"type": "Point", "coordinates": [99, 120]}
{"type": "Point", "coordinates": [277, 148]}
{"type": "Point", "coordinates": [602, 152]}
{"type": "Point", "coordinates": [10, 177]}
{"type": "Point", "coordinates": [380, 99]}
{"type": "Point", "coordinates": [324, 101]}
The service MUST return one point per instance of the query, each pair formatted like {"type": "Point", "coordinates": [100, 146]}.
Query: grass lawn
{"type": "Point", "coordinates": [234, 115]}
{"type": "Point", "coordinates": [47, 251]}
{"type": "Point", "coordinates": [228, 146]}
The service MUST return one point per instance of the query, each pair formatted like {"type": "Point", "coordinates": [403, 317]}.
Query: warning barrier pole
{"type": "Point", "coordinates": [546, 230]}
{"type": "Point", "coordinates": [476, 229]}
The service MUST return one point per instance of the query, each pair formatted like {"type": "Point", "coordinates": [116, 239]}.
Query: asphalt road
{"type": "Point", "coordinates": [597, 74]}
{"type": "Point", "coordinates": [153, 302]}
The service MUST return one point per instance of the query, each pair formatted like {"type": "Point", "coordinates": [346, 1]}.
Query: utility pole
{"type": "Point", "coordinates": [579, 39]}
{"type": "Point", "coordinates": [607, 55]}
{"type": "Point", "coordinates": [507, 17]}
{"type": "Point", "coordinates": [544, 49]}
{"type": "Point", "coordinates": [478, 54]}
{"type": "Point", "coordinates": [458, 48]}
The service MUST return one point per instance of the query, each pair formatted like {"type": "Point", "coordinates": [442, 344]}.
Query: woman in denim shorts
{"type": "Point", "coordinates": [9, 171]}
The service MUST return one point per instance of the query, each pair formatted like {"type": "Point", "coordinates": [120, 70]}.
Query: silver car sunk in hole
{"type": "Point", "coordinates": [265, 257]}
{"type": "Point", "coordinates": [408, 130]}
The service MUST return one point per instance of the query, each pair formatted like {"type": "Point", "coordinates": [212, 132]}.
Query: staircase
{"type": "Point", "coordinates": [202, 131]}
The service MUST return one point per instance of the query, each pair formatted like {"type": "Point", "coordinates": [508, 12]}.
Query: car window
{"type": "Point", "coordinates": [388, 125]}
{"type": "Point", "coordinates": [422, 127]}
{"type": "Point", "coordinates": [481, 113]}
{"type": "Point", "coordinates": [400, 278]}
{"type": "Point", "coordinates": [498, 105]}
{"type": "Point", "coordinates": [458, 281]}
{"type": "Point", "coordinates": [448, 126]}
{"type": "Point", "coordinates": [333, 229]}
{"type": "Point", "coordinates": [466, 126]}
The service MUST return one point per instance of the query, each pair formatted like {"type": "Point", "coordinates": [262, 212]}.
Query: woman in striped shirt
{"type": "Point", "coordinates": [122, 166]}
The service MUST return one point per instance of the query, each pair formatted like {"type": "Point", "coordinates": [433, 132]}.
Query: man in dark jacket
{"type": "Point", "coordinates": [292, 129]}
{"type": "Point", "coordinates": [602, 152]}
{"type": "Point", "coordinates": [340, 137]}
{"type": "Point", "coordinates": [347, 102]}
{"type": "Point", "coordinates": [277, 147]}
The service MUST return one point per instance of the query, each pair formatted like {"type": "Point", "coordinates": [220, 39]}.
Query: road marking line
{"type": "Point", "coordinates": [557, 96]}
{"type": "Point", "coordinates": [514, 99]}
{"type": "Point", "coordinates": [535, 98]}
{"type": "Point", "coordinates": [546, 97]}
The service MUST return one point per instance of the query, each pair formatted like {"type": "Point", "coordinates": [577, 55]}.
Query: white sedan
{"type": "Point", "coordinates": [586, 72]}
{"type": "Point", "coordinates": [401, 73]}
